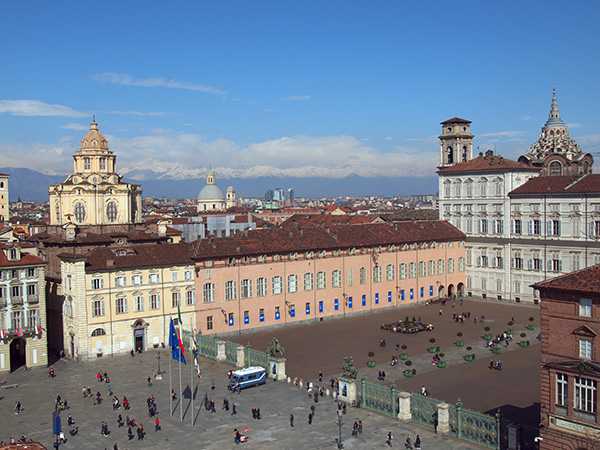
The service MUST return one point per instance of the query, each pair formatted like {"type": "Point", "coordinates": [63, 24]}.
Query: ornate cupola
{"type": "Point", "coordinates": [456, 142]}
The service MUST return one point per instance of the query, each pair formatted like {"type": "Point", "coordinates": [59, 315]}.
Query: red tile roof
{"type": "Point", "coordinates": [484, 163]}
{"type": "Point", "coordinates": [455, 120]}
{"type": "Point", "coordinates": [325, 220]}
{"type": "Point", "coordinates": [564, 184]}
{"type": "Point", "coordinates": [584, 281]}
{"type": "Point", "coordinates": [26, 258]}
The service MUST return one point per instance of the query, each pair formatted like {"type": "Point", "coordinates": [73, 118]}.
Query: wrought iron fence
{"type": "Point", "coordinates": [207, 346]}
{"type": "Point", "coordinates": [255, 358]}
{"type": "Point", "coordinates": [377, 398]}
{"type": "Point", "coordinates": [231, 351]}
{"type": "Point", "coordinates": [477, 427]}
{"type": "Point", "coordinates": [424, 409]}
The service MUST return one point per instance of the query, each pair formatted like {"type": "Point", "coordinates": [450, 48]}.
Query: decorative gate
{"type": "Point", "coordinates": [424, 409]}
{"type": "Point", "coordinates": [255, 358]}
{"type": "Point", "coordinates": [377, 398]}
{"type": "Point", "coordinates": [207, 346]}
{"type": "Point", "coordinates": [478, 427]}
{"type": "Point", "coordinates": [231, 351]}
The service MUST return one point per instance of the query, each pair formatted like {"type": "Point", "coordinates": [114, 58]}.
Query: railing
{"type": "Point", "coordinates": [231, 352]}
{"type": "Point", "coordinates": [377, 398]}
{"type": "Point", "coordinates": [255, 358]}
{"type": "Point", "coordinates": [424, 410]}
{"type": "Point", "coordinates": [477, 427]}
{"type": "Point", "coordinates": [33, 299]}
{"type": "Point", "coordinates": [207, 346]}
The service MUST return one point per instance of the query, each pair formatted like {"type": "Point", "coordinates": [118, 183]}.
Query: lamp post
{"type": "Point", "coordinates": [159, 373]}
{"type": "Point", "coordinates": [340, 422]}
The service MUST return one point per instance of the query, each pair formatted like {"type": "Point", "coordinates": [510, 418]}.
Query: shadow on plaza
{"type": "Point", "coordinates": [526, 416]}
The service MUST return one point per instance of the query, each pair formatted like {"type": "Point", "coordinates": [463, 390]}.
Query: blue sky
{"type": "Point", "coordinates": [290, 88]}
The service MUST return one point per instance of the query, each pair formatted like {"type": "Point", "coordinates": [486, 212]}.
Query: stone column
{"type": "Point", "coordinates": [221, 351]}
{"type": "Point", "coordinates": [279, 362]}
{"type": "Point", "coordinates": [241, 360]}
{"type": "Point", "coordinates": [514, 435]}
{"type": "Point", "coordinates": [347, 387]}
{"type": "Point", "coordinates": [443, 418]}
{"type": "Point", "coordinates": [404, 411]}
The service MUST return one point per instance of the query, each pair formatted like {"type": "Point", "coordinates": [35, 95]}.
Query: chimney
{"type": "Point", "coordinates": [110, 262]}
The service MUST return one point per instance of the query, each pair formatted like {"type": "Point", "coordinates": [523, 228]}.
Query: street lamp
{"type": "Point", "coordinates": [340, 422]}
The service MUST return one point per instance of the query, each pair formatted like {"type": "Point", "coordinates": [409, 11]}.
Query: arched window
{"type": "Point", "coordinates": [464, 154]}
{"type": "Point", "coordinates": [57, 209]}
{"type": "Point", "coordinates": [79, 212]}
{"type": "Point", "coordinates": [98, 332]}
{"type": "Point", "coordinates": [555, 168]}
{"type": "Point", "coordinates": [111, 211]}
{"type": "Point", "coordinates": [450, 155]}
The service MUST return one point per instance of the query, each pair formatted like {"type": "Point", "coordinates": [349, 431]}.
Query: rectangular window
{"type": "Point", "coordinates": [336, 278]}
{"type": "Point", "coordinates": [175, 298]}
{"type": "Point", "coordinates": [350, 276]}
{"type": "Point", "coordinates": [120, 281]}
{"type": "Point", "coordinates": [292, 282]}
{"type": "Point", "coordinates": [190, 297]}
{"type": "Point", "coordinates": [535, 227]}
{"type": "Point", "coordinates": [154, 301]}
{"type": "Point", "coordinates": [187, 275]}
{"type": "Point", "coordinates": [308, 281]}
{"type": "Point", "coordinates": [246, 288]}
{"type": "Point", "coordinates": [230, 290]}
{"type": "Point", "coordinates": [121, 304]}
{"type": "Point", "coordinates": [402, 271]}
{"type": "Point", "coordinates": [469, 257]}
{"type": "Point", "coordinates": [32, 318]}
{"type": "Point", "coordinates": [517, 287]}
{"type": "Point", "coordinates": [321, 280]}
{"type": "Point", "coordinates": [517, 260]}
{"type": "Point", "coordinates": [585, 307]}
{"type": "Point", "coordinates": [174, 276]}
{"type": "Point", "coordinates": [431, 267]}
{"type": "Point", "coordinates": [422, 268]}
{"type": "Point", "coordinates": [440, 266]}
{"type": "Point", "coordinates": [30, 273]}
{"type": "Point", "coordinates": [585, 394]}
{"type": "Point", "coordinates": [138, 303]}
{"type": "Point", "coordinates": [363, 275]}
{"type": "Point", "coordinates": [31, 289]}
{"type": "Point", "coordinates": [517, 226]}
{"type": "Point", "coordinates": [389, 272]}
{"type": "Point", "coordinates": [97, 308]}
{"type": "Point", "coordinates": [16, 291]}
{"type": "Point", "coordinates": [450, 265]}
{"type": "Point", "coordinates": [136, 280]}
{"type": "Point", "coordinates": [498, 226]}
{"type": "Point", "coordinates": [461, 264]}
{"type": "Point", "coordinates": [277, 283]}
{"type": "Point", "coordinates": [412, 270]}
{"type": "Point", "coordinates": [377, 274]}
{"type": "Point", "coordinates": [153, 278]}
{"type": "Point", "coordinates": [261, 287]}
{"type": "Point", "coordinates": [208, 293]}
{"type": "Point", "coordinates": [209, 322]}
{"type": "Point", "coordinates": [585, 348]}
{"type": "Point", "coordinates": [562, 389]}
{"type": "Point", "coordinates": [554, 227]}
{"type": "Point", "coordinates": [97, 283]}
{"type": "Point", "coordinates": [483, 226]}
{"type": "Point", "coordinates": [576, 262]}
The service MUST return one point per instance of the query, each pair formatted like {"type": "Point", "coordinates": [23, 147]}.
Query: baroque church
{"type": "Point", "coordinates": [95, 194]}
{"type": "Point", "coordinates": [211, 198]}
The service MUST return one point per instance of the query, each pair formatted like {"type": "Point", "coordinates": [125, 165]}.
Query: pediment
{"type": "Point", "coordinates": [584, 331]}
{"type": "Point", "coordinates": [575, 365]}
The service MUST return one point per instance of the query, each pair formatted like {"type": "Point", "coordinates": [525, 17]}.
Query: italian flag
{"type": "Point", "coordinates": [179, 328]}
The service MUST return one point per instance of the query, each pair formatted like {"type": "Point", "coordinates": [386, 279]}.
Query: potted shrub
{"type": "Point", "coordinates": [531, 326]}
{"type": "Point", "coordinates": [470, 357]}
{"type": "Point", "coordinates": [408, 373]}
{"type": "Point", "coordinates": [510, 332]}
{"type": "Point", "coordinates": [497, 350]}
{"type": "Point", "coordinates": [441, 364]}
{"type": "Point", "coordinates": [371, 363]}
{"type": "Point", "coordinates": [487, 336]}
{"type": "Point", "coordinates": [460, 342]}
{"type": "Point", "coordinates": [404, 356]}
{"type": "Point", "coordinates": [432, 348]}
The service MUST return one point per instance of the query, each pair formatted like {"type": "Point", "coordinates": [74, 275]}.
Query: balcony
{"type": "Point", "coordinates": [33, 299]}
{"type": "Point", "coordinates": [16, 300]}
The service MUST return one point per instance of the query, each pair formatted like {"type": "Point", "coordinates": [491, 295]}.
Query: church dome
{"type": "Point", "coordinates": [93, 138]}
{"type": "Point", "coordinates": [211, 192]}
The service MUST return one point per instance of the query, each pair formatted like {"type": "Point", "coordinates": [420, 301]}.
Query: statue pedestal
{"type": "Point", "coordinates": [277, 365]}
{"type": "Point", "coordinates": [347, 389]}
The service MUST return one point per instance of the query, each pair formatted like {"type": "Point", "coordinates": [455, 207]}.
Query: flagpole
{"type": "Point", "coordinates": [192, 383]}
{"type": "Point", "coordinates": [180, 391]}
{"type": "Point", "coordinates": [170, 384]}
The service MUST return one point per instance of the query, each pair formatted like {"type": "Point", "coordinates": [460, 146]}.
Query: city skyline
{"type": "Point", "coordinates": [289, 91]}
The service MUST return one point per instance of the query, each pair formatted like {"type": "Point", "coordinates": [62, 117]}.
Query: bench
{"type": "Point", "coordinates": [10, 386]}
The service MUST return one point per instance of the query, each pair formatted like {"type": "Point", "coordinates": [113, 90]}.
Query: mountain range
{"type": "Point", "coordinates": [33, 185]}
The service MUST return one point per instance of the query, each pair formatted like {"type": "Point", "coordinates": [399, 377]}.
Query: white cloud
{"type": "Point", "coordinates": [526, 118]}
{"type": "Point", "coordinates": [76, 126]}
{"type": "Point", "coordinates": [388, 138]}
{"type": "Point", "coordinates": [574, 125]}
{"type": "Point", "coordinates": [137, 113]}
{"type": "Point", "coordinates": [35, 108]}
{"type": "Point", "coordinates": [510, 134]}
{"type": "Point", "coordinates": [124, 79]}
{"type": "Point", "coordinates": [293, 98]}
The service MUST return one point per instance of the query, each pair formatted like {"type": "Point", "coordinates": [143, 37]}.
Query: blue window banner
{"type": "Point", "coordinates": [246, 320]}
{"type": "Point", "coordinates": [231, 321]}
{"type": "Point", "coordinates": [412, 295]}
{"type": "Point", "coordinates": [293, 312]}
{"type": "Point", "coordinates": [277, 315]}
{"type": "Point", "coordinates": [349, 302]}
{"type": "Point", "coordinates": [364, 300]}
{"type": "Point", "coordinates": [261, 317]}
{"type": "Point", "coordinates": [308, 310]}
{"type": "Point", "coordinates": [336, 304]}
{"type": "Point", "coordinates": [402, 294]}
{"type": "Point", "coordinates": [422, 291]}
{"type": "Point", "coordinates": [321, 306]}
{"type": "Point", "coordinates": [389, 296]}
{"type": "Point", "coordinates": [431, 291]}
{"type": "Point", "coordinates": [377, 299]}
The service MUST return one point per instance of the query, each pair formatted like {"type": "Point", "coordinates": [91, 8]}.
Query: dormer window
{"type": "Point", "coordinates": [14, 254]}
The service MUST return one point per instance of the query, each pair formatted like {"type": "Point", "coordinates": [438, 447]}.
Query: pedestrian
{"type": "Point", "coordinates": [310, 418]}
{"type": "Point", "coordinates": [130, 431]}
{"type": "Point", "coordinates": [149, 381]}
{"type": "Point", "coordinates": [320, 377]}
{"type": "Point", "coordinates": [312, 410]}
{"type": "Point", "coordinates": [115, 447]}
{"type": "Point", "coordinates": [418, 442]}
{"type": "Point", "coordinates": [407, 443]}
{"type": "Point", "coordinates": [18, 408]}
{"type": "Point", "coordinates": [254, 413]}
{"type": "Point", "coordinates": [233, 409]}
{"type": "Point", "coordinates": [156, 424]}
{"type": "Point", "coordinates": [360, 427]}
{"type": "Point", "coordinates": [119, 421]}
{"type": "Point", "coordinates": [390, 437]}
{"type": "Point", "coordinates": [109, 390]}
{"type": "Point", "coordinates": [212, 384]}
{"type": "Point", "coordinates": [291, 420]}
{"type": "Point", "coordinates": [344, 409]}
{"type": "Point", "coordinates": [383, 375]}
{"type": "Point", "coordinates": [237, 437]}
{"type": "Point", "coordinates": [355, 428]}
{"type": "Point", "coordinates": [258, 416]}
{"type": "Point", "coordinates": [173, 394]}
{"type": "Point", "coordinates": [132, 353]}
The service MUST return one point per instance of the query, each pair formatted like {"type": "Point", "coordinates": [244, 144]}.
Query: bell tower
{"type": "Point", "coordinates": [456, 142]}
